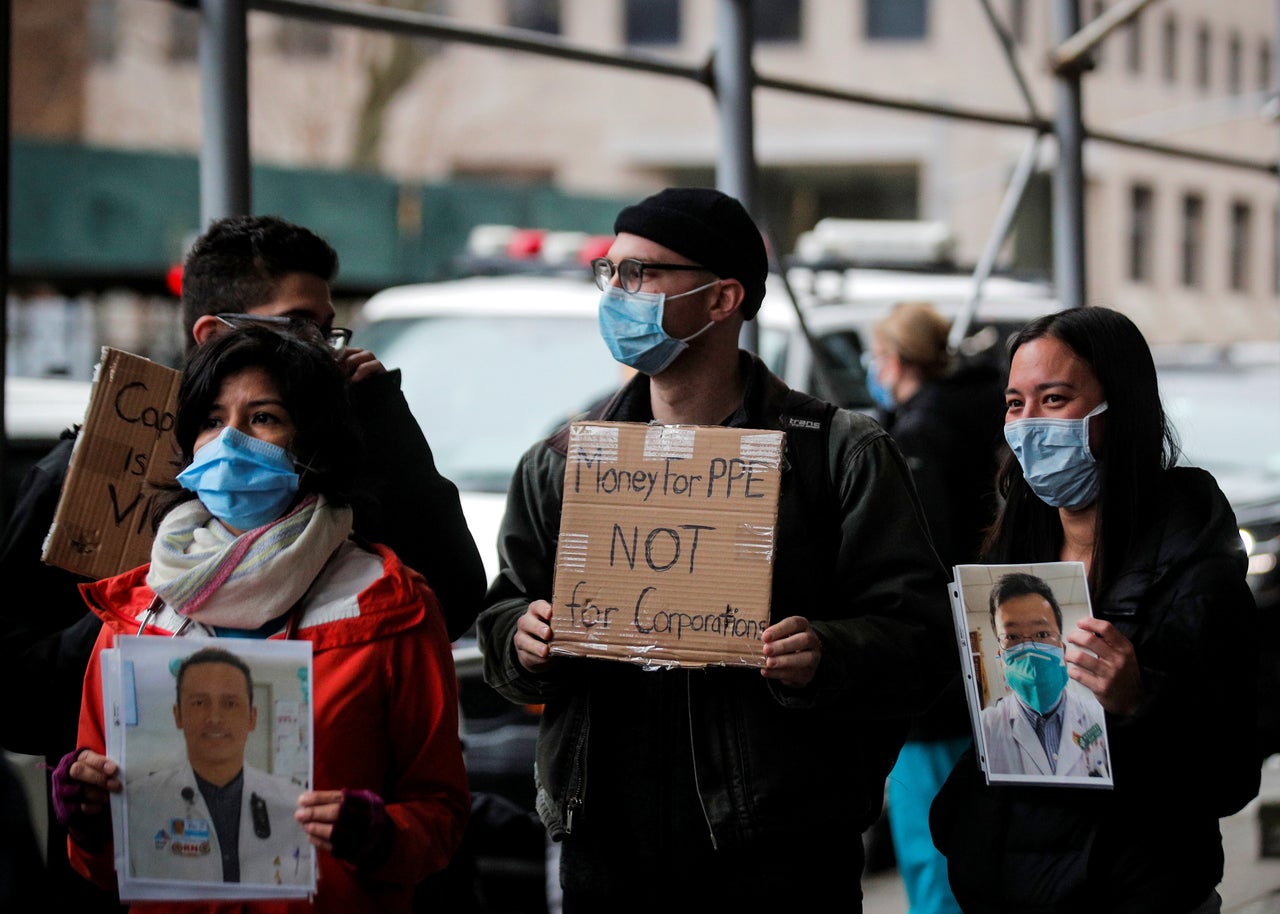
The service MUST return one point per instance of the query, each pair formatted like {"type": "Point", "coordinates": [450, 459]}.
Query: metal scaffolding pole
{"type": "Point", "coordinates": [225, 177]}
{"type": "Point", "coordinates": [732, 83]}
{"type": "Point", "coordinates": [1068, 177]}
{"type": "Point", "coordinates": [1004, 219]}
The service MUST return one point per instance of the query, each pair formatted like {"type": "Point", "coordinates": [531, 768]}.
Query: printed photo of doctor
{"type": "Point", "coordinates": [1048, 724]}
{"type": "Point", "coordinates": [216, 818]}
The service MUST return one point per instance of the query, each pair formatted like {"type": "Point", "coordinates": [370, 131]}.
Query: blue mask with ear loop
{"type": "Point", "coordinates": [1055, 458]}
{"type": "Point", "coordinates": [882, 395]}
{"type": "Point", "coordinates": [243, 481]}
{"type": "Point", "coordinates": [631, 326]}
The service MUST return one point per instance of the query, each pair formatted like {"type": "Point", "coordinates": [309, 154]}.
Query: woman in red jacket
{"type": "Point", "coordinates": [258, 543]}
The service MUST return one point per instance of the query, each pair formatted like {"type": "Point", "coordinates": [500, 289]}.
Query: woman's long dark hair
{"type": "Point", "coordinates": [1137, 444]}
{"type": "Point", "coordinates": [327, 442]}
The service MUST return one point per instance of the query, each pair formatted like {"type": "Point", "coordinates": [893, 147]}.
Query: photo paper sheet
{"type": "Point", "coordinates": [213, 769]}
{"type": "Point", "coordinates": [1032, 723]}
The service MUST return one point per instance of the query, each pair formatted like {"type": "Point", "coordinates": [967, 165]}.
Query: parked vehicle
{"type": "Point", "coordinates": [1224, 402]}
{"type": "Point", "coordinates": [36, 412]}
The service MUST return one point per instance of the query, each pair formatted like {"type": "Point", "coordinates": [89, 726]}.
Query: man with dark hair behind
{"type": "Point", "coordinates": [242, 268]}
{"type": "Point", "coordinates": [769, 775]}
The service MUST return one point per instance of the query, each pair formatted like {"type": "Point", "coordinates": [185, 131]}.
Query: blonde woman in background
{"type": "Point", "coordinates": [946, 415]}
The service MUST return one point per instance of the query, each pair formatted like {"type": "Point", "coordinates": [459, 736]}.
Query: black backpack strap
{"type": "Point", "coordinates": [807, 423]}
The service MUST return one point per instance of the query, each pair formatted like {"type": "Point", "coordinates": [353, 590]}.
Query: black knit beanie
{"type": "Point", "coordinates": [708, 227]}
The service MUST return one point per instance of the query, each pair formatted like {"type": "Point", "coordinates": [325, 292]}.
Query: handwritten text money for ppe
{"type": "Point", "coordinates": [666, 547]}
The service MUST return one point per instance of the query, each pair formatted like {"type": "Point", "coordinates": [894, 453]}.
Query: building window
{"type": "Point", "coordinates": [300, 38]}
{"type": "Point", "coordinates": [104, 25]}
{"type": "Point", "coordinates": [1192, 240]}
{"type": "Point", "coordinates": [653, 21]}
{"type": "Point", "coordinates": [1235, 65]}
{"type": "Point", "coordinates": [776, 20]}
{"type": "Point", "coordinates": [184, 34]}
{"type": "Point", "coordinates": [534, 15]}
{"type": "Point", "coordinates": [1264, 67]}
{"type": "Point", "coordinates": [1141, 230]}
{"type": "Point", "coordinates": [896, 20]}
{"type": "Point", "coordinates": [1133, 45]}
{"type": "Point", "coordinates": [1018, 21]}
{"type": "Point", "coordinates": [1241, 241]}
{"type": "Point", "coordinates": [1203, 48]}
{"type": "Point", "coordinates": [1169, 50]}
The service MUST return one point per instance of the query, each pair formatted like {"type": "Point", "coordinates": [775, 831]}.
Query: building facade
{"type": "Point", "coordinates": [1187, 247]}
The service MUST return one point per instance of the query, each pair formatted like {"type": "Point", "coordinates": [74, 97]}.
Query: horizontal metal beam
{"type": "Point", "coordinates": [427, 25]}
{"type": "Point", "coordinates": [1181, 152]}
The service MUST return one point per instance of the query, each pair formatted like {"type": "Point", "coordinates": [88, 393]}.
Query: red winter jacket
{"type": "Point", "coordinates": [386, 720]}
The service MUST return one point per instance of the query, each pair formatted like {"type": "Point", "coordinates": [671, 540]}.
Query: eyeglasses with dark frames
{"type": "Point", "coordinates": [630, 272]}
{"type": "Point", "coordinates": [336, 338]}
{"type": "Point", "coordinates": [1008, 640]}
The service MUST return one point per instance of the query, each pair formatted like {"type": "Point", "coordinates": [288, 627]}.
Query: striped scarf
{"type": "Point", "coordinates": [203, 570]}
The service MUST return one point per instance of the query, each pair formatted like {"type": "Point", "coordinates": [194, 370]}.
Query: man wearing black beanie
{"type": "Point", "coordinates": [725, 786]}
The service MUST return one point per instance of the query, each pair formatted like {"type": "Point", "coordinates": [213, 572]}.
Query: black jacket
{"type": "Point", "coordinates": [1184, 759]}
{"type": "Point", "coordinates": [725, 756]}
{"type": "Point", "coordinates": [950, 432]}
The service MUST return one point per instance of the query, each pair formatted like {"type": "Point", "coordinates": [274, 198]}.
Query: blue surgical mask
{"type": "Point", "coordinates": [882, 395]}
{"type": "Point", "coordinates": [243, 481]}
{"type": "Point", "coordinates": [631, 325]}
{"type": "Point", "coordinates": [1037, 673]}
{"type": "Point", "coordinates": [1055, 458]}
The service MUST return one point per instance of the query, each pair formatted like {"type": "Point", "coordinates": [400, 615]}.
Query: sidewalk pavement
{"type": "Point", "coordinates": [1251, 884]}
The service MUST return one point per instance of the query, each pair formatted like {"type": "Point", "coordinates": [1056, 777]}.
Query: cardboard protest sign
{"type": "Point", "coordinates": [667, 537]}
{"type": "Point", "coordinates": [102, 525]}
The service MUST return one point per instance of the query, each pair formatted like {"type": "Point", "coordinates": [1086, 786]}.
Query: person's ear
{"type": "Point", "coordinates": [729, 296]}
{"type": "Point", "coordinates": [253, 717]}
{"type": "Point", "coordinates": [177, 716]}
{"type": "Point", "coordinates": [206, 325]}
{"type": "Point", "coordinates": [893, 362]}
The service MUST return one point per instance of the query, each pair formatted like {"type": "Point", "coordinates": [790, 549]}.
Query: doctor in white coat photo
{"type": "Point", "coordinates": [215, 818]}
{"type": "Point", "coordinates": [1049, 725]}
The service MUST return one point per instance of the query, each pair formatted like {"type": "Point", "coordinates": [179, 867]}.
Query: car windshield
{"type": "Point", "coordinates": [485, 388]}
{"type": "Point", "coordinates": [1228, 421]}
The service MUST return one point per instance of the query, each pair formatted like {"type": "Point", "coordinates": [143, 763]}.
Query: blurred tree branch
{"type": "Point", "coordinates": [390, 65]}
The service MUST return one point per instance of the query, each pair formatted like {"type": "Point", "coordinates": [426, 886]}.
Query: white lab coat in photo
{"type": "Point", "coordinates": [1013, 748]}
{"type": "Point", "coordinates": [171, 834]}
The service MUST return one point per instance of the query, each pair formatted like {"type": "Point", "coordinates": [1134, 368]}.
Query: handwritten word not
{"type": "Point", "coordinates": [662, 546]}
